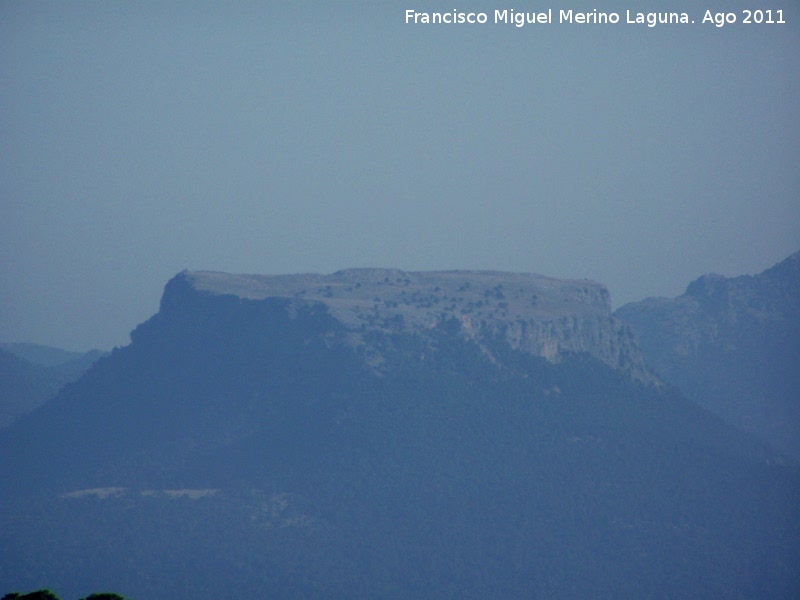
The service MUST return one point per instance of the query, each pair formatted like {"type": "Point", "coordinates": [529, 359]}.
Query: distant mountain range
{"type": "Point", "coordinates": [31, 374]}
{"type": "Point", "coordinates": [383, 434]}
{"type": "Point", "coordinates": [733, 346]}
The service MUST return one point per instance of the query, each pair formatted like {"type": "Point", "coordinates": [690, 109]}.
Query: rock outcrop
{"type": "Point", "coordinates": [540, 315]}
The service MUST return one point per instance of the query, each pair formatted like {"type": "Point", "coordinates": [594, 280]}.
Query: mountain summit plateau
{"type": "Point", "coordinates": [539, 315]}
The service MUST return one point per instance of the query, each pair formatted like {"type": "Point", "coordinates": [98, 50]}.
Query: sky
{"type": "Point", "coordinates": [138, 139]}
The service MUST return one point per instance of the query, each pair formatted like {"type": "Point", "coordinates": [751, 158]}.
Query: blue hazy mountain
{"type": "Point", "coordinates": [384, 434]}
{"type": "Point", "coordinates": [31, 374]}
{"type": "Point", "coordinates": [733, 346]}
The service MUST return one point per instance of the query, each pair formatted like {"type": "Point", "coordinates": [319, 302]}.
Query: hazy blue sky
{"type": "Point", "coordinates": [141, 138]}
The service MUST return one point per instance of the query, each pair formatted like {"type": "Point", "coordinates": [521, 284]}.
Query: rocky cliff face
{"type": "Point", "coordinates": [732, 345]}
{"type": "Point", "coordinates": [542, 316]}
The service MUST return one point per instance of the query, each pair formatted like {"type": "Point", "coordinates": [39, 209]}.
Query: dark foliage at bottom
{"type": "Point", "coordinates": [445, 475]}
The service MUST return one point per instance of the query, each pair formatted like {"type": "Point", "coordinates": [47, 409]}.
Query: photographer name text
{"type": "Point", "coordinates": [595, 17]}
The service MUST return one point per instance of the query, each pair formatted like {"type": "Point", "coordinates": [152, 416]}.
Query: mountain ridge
{"type": "Point", "coordinates": [733, 346]}
{"type": "Point", "coordinates": [540, 315]}
{"type": "Point", "coordinates": [31, 374]}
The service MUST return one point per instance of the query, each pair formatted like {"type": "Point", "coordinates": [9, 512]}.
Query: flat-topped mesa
{"type": "Point", "coordinates": [418, 296]}
{"type": "Point", "coordinates": [541, 315]}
